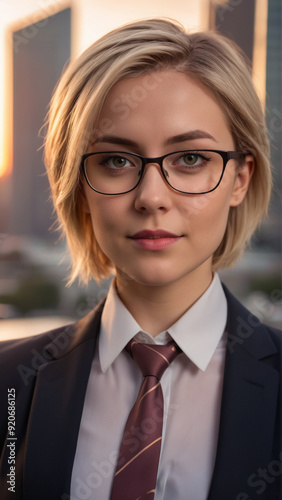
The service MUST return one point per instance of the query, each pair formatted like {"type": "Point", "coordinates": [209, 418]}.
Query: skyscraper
{"type": "Point", "coordinates": [40, 52]}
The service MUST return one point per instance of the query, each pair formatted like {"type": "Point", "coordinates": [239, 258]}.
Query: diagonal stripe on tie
{"type": "Point", "coordinates": [146, 497]}
{"type": "Point", "coordinates": [137, 455]}
{"type": "Point", "coordinates": [158, 353]}
{"type": "Point", "coordinates": [148, 392]}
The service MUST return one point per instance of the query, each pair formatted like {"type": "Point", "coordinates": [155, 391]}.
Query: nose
{"type": "Point", "coordinates": [153, 193]}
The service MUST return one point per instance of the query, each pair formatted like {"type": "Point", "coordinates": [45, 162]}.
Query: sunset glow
{"type": "Point", "coordinates": [260, 48]}
{"type": "Point", "coordinates": [6, 110]}
{"type": "Point", "coordinates": [6, 160]}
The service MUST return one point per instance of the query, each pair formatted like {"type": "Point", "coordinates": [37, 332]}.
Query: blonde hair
{"type": "Point", "coordinates": [139, 48]}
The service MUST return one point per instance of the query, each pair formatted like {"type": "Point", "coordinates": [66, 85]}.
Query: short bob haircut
{"type": "Point", "coordinates": [138, 48]}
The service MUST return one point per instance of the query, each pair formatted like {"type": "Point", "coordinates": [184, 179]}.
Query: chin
{"type": "Point", "coordinates": [158, 279]}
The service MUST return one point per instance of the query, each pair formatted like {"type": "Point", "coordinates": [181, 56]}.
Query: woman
{"type": "Point", "coordinates": [158, 161]}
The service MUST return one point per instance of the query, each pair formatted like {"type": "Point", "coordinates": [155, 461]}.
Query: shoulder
{"type": "Point", "coordinates": [245, 329]}
{"type": "Point", "coordinates": [238, 311]}
{"type": "Point", "coordinates": [19, 355]}
{"type": "Point", "coordinates": [22, 348]}
{"type": "Point", "coordinates": [37, 350]}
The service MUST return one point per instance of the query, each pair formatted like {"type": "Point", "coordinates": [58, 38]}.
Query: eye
{"type": "Point", "coordinates": [190, 159]}
{"type": "Point", "coordinates": [118, 162]}
{"type": "Point", "coordinates": [193, 159]}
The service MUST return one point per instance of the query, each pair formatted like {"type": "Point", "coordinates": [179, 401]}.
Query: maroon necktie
{"type": "Point", "coordinates": [137, 466]}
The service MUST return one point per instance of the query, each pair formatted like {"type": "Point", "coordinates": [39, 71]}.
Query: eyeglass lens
{"type": "Point", "coordinates": [187, 171]}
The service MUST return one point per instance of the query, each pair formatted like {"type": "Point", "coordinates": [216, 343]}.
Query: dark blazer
{"type": "Point", "coordinates": [49, 373]}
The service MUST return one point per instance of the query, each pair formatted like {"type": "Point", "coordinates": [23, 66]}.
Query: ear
{"type": "Point", "coordinates": [242, 181]}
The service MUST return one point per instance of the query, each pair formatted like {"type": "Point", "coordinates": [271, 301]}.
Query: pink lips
{"type": "Point", "coordinates": [154, 240]}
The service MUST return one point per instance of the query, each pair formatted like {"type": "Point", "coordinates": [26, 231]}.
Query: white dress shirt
{"type": "Point", "coordinates": [192, 389]}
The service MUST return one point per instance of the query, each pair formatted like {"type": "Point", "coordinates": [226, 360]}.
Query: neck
{"type": "Point", "coordinates": [156, 308]}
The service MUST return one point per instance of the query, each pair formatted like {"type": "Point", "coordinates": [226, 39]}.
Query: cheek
{"type": "Point", "coordinates": [207, 215]}
{"type": "Point", "coordinates": [106, 214]}
{"type": "Point", "coordinates": [102, 218]}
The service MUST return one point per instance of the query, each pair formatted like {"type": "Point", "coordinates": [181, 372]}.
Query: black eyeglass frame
{"type": "Point", "coordinates": [225, 155]}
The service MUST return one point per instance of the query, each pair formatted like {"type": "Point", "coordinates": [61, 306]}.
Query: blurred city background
{"type": "Point", "coordinates": [37, 39]}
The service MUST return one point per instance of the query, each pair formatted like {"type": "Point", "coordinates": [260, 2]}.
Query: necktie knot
{"type": "Point", "coordinates": [153, 359]}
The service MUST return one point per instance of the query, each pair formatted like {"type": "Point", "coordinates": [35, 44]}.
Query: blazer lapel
{"type": "Point", "coordinates": [249, 407]}
{"type": "Point", "coordinates": [56, 410]}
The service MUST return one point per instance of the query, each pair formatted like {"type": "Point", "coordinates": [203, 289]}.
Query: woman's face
{"type": "Point", "coordinates": [154, 115]}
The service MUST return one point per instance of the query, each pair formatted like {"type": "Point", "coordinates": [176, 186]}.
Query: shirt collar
{"type": "Point", "coordinates": [198, 332]}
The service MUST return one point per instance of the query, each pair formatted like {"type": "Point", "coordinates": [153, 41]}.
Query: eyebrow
{"type": "Point", "coordinates": [188, 136]}
{"type": "Point", "coordinates": [112, 139]}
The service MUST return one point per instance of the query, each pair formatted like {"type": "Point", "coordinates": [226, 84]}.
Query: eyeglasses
{"type": "Point", "coordinates": [189, 172]}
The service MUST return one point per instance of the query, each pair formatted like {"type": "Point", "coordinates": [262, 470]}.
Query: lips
{"type": "Point", "coordinates": [154, 240]}
{"type": "Point", "coordinates": [152, 235]}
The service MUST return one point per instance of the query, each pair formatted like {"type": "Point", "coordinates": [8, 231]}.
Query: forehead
{"type": "Point", "coordinates": [160, 105]}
